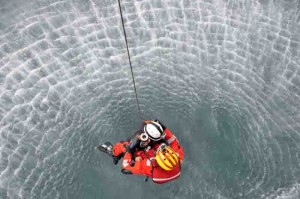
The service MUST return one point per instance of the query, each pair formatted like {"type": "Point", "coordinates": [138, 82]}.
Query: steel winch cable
{"type": "Point", "coordinates": [126, 42]}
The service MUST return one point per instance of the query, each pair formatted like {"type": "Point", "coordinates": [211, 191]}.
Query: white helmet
{"type": "Point", "coordinates": [154, 131]}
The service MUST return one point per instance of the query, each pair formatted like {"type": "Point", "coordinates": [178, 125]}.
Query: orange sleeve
{"type": "Point", "coordinates": [177, 147]}
{"type": "Point", "coordinates": [142, 167]}
{"type": "Point", "coordinates": [120, 148]}
{"type": "Point", "coordinates": [174, 143]}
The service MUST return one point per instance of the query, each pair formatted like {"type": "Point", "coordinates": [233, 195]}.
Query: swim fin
{"type": "Point", "coordinates": [106, 148]}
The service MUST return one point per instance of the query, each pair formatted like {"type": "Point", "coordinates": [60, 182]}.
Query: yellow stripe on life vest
{"type": "Point", "coordinates": [165, 160]}
{"type": "Point", "coordinates": [174, 155]}
{"type": "Point", "coordinates": [171, 159]}
{"type": "Point", "coordinates": [161, 161]}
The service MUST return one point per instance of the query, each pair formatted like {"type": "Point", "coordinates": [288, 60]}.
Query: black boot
{"type": "Point", "coordinates": [106, 148]}
{"type": "Point", "coordinates": [116, 159]}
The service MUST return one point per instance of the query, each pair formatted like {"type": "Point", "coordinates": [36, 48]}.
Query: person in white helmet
{"type": "Point", "coordinates": [151, 133]}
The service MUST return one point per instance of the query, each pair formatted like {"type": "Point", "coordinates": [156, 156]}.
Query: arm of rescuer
{"type": "Point", "coordinates": [142, 166]}
{"type": "Point", "coordinates": [172, 140]}
{"type": "Point", "coordinates": [134, 140]}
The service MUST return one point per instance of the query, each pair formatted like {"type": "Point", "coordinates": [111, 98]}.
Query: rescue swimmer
{"type": "Point", "coordinates": [152, 151]}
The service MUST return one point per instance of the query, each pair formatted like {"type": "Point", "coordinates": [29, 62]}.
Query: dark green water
{"type": "Point", "coordinates": [222, 75]}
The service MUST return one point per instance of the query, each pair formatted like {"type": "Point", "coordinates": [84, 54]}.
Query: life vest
{"type": "Point", "coordinates": [161, 176]}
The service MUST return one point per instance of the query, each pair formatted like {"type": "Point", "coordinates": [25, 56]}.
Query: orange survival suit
{"type": "Point", "coordinates": [146, 164]}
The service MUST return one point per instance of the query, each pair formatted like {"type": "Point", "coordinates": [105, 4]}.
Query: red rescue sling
{"type": "Point", "coordinates": [161, 176]}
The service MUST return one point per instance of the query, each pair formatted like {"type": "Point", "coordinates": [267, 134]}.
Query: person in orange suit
{"type": "Point", "coordinates": [152, 151]}
{"type": "Point", "coordinates": [161, 163]}
{"type": "Point", "coordinates": [151, 133]}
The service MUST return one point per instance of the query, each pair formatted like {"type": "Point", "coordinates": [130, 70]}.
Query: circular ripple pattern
{"type": "Point", "coordinates": [223, 75]}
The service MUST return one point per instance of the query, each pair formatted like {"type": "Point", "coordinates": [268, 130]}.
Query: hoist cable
{"type": "Point", "coordinates": [126, 42]}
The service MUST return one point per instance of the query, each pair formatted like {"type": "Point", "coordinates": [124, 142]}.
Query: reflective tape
{"type": "Point", "coordinates": [170, 140]}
